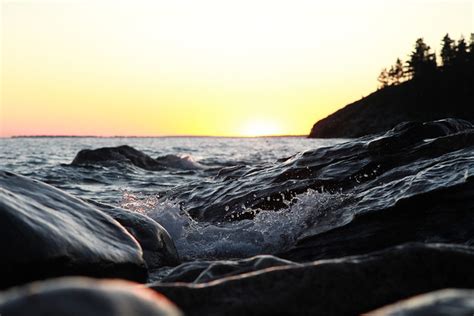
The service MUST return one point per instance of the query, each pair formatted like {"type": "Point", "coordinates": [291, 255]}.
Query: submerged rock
{"type": "Point", "coordinates": [81, 296]}
{"type": "Point", "coordinates": [345, 286]}
{"type": "Point", "coordinates": [45, 232]}
{"type": "Point", "coordinates": [440, 303]}
{"type": "Point", "coordinates": [157, 245]}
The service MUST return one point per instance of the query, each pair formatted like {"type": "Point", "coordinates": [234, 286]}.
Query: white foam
{"type": "Point", "coordinates": [268, 232]}
{"type": "Point", "coordinates": [185, 162]}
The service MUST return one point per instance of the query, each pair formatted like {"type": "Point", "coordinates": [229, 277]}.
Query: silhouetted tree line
{"type": "Point", "coordinates": [456, 57]}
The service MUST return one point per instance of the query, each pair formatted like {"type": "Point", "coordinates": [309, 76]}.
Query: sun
{"type": "Point", "coordinates": [260, 127]}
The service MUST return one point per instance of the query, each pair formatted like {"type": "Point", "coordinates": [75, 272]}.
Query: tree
{"type": "Point", "coordinates": [383, 78]}
{"type": "Point", "coordinates": [447, 51]}
{"type": "Point", "coordinates": [422, 62]}
{"type": "Point", "coordinates": [396, 72]}
{"type": "Point", "coordinates": [471, 48]}
{"type": "Point", "coordinates": [471, 51]}
{"type": "Point", "coordinates": [461, 53]}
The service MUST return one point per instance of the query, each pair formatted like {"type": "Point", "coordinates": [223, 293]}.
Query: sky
{"type": "Point", "coordinates": [208, 67]}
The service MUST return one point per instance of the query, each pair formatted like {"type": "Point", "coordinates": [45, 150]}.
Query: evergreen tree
{"type": "Point", "coordinates": [447, 51]}
{"type": "Point", "coordinates": [461, 53]}
{"type": "Point", "coordinates": [383, 78]}
{"type": "Point", "coordinates": [422, 62]}
{"type": "Point", "coordinates": [471, 51]}
{"type": "Point", "coordinates": [396, 72]}
{"type": "Point", "coordinates": [457, 63]}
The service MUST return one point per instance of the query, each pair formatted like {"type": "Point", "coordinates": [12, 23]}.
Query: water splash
{"type": "Point", "coordinates": [268, 232]}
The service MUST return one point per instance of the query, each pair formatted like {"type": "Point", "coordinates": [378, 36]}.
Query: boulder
{"type": "Point", "coordinates": [131, 156]}
{"type": "Point", "coordinates": [82, 296]}
{"type": "Point", "coordinates": [112, 155]}
{"type": "Point", "coordinates": [45, 232]}
{"type": "Point", "coordinates": [439, 303]}
{"type": "Point", "coordinates": [158, 247]}
{"type": "Point", "coordinates": [344, 286]}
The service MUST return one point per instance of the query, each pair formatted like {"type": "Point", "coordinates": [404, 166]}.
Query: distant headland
{"type": "Point", "coordinates": [417, 90]}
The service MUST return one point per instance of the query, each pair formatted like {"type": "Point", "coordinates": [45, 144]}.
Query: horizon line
{"type": "Point", "coordinates": [150, 136]}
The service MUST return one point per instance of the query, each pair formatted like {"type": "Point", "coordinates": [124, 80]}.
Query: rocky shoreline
{"type": "Point", "coordinates": [401, 224]}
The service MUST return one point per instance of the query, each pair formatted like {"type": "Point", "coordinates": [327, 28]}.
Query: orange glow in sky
{"type": "Point", "coordinates": [209, 67]}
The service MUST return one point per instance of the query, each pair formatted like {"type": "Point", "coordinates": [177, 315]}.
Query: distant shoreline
{"type": "Point", "coordinates": [166, 136]}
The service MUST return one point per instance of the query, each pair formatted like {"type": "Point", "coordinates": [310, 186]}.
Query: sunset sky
{"type": "Point", "coordinates": [243, 68]}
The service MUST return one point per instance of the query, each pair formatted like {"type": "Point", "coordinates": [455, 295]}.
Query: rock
{"type": "Point", "coordinates": [158, 247]}
{"type": "Point", "coordinates": [344, 286]}
{"type": "Point", "coordinates": [45, 232]}
{"type": "Point", "coordinates": [375, 171]}
{"type": "Point", "coordinates": [443, 215]}
{"type": "Point", "coordinates": [121, 154]}
{"type": "Point", "coordinates": [440, 303]}
{"type": "Point", "coordinates": [81, 296]}
{"type": "Point", "coordinates": [411, 190]}
{"type": "Point", "coordinates": [129, 155]}
{"type": "Point", "coordinates": [206, 271]}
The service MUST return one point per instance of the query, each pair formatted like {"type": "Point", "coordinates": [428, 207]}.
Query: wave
{"type": "Point", "coordinates": [184, 162]}
{"type": "Point", "coordinates": [267, 232]}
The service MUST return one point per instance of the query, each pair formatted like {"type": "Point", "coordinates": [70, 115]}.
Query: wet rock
{"type": "Point", "coordinates": [131, 156]}
{"type": "Point", "coordinates": [440, 303]}
{"type": "Point", "coordinates": [158, 247]}
{"type": "Point", "coordinates": [81, 296]}
{"type": "Point", "coordinates": [206, 271]}
{"type": "Point", "coordinates": [45, 232]}
{"type": "Point", "coordinates": [374, 170]}
{"type": "Point", "coordinates": [344, 286]}
{"type": "Point", "coordinates": [443, 215]}
{"type": "Point", "coordinates": [120, 154]}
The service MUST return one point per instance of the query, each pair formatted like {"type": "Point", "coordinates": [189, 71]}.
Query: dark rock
{"type": "Point", "coordinates": [345, 286]}
{"type": "Point", "coordinates": [121, 154]}
{"type": "Point", "coordinates": [46, 232]}
{"type": "Point", "coordinates": [206, 271]}
{"type": "Point", "coordinates": [81, 296]}
{"type": "Point", "coordinates": [158, 247]}
{"type": "Point", "coordinates": [440, 303]}
{"type": "Point", "coordinates": [375, 171]}
{"type": "Point", "coordinates": [129, 155]}
{"type": "Point", "coordinates": [443, 215]}
{"type": "Point", "coordinates": [417, 192]}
